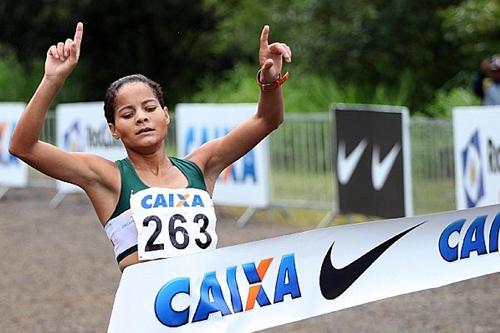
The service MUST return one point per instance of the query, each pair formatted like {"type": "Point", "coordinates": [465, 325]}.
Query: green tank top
{"type": "Point", "coordinates": [131, 183]}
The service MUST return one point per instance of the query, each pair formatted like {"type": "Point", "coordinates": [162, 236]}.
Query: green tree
{"type": "Point", "coordinates": [475, 26]}
{"type": "Point", "coordinates": [362, 42]}
{"type": "Point", "coordinates": [169, 40]}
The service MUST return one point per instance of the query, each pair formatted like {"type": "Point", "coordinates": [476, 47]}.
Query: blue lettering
{"type": "Point", "coordinates": [204, 136]}
{"type": "Point", "coordinates": [160, 201]}
{"type": "Point", "coordinates": [189, 141]}
{"type": "Point", "coordinates": [287, 272]}
{"type": "Point", "coordinates": [234, 289]}
{"type": "Point", "coordinates": [448, 252]}
{"type": "Point", "coordinates": [474, 238]}
{"type": "Point", "coordinates": [211, 299]}
{"type": "Point", "coordinates": [253, 277]}
{"type": "Point", "coordinates": [197, 202]}
{"type": "Point", "coordinates": [251, 273]}
{"type": "Point", "coordinates": [249, 167]}
{"type": "Point", "coordinates": [145, 203]}
{"type": "Point", "coordinates": [163, 303]}
{"type": "Point", "coordinates": [5, 130]}
{"type": "Point", "coordinates": [494, 234]}
{"type": "Point", "coordinates": [192, 140]}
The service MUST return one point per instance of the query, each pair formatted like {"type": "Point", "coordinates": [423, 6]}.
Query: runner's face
{"type": "Point", "coordinates": [140, 121]}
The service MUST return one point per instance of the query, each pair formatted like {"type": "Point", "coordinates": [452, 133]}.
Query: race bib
{"type": "Point", "coordinates": [173, 222]}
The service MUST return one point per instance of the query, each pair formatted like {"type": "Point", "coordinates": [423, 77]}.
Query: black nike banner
{"type": "Point", "coordinates": [372, 160]}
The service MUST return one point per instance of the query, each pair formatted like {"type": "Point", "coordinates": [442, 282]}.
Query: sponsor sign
{"type": "Point", "coordinates": [254, 286]}
{"type": "Point", "coordinates": [246, 181]}
{"type": "Point", "coordinates": [13, 172]}
{"type": "Point", "coordinates": [477, 156]}
{"type": "Point", "coordinates": [81, 127]}
{"type": "Point", "coordinates": [373, 160]}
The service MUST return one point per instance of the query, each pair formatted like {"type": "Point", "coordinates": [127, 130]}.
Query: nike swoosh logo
{"type": "Point", "coordinates": [334, 281]}
{"type": "Point", "coordinates": [347, 164]}
{"type": "Point", "coordinates": [381, 169]}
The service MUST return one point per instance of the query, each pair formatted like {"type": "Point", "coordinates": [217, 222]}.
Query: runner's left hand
{"type": "Point", "coordinates": [271, 57]}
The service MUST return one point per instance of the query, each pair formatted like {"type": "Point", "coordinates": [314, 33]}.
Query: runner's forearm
{"type": "Point", "coordinates": [31, 122]}
{"type": "Point", "coordinates": [271, 107]}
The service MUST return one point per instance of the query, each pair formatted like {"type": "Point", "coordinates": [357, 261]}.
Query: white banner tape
{"type": "Point", "coordinates": [262, 284]}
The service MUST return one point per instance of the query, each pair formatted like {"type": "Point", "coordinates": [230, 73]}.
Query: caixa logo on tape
{"type": "Point", "coordinates": [458, 242]}
{"type": "Point", "coordinates": [211, 296]}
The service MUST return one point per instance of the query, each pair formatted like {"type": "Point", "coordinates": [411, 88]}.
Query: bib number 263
{"type": "Point", "coordinates": [180, 233]}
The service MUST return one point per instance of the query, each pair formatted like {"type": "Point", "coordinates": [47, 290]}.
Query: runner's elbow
{"type": "Point", "coordinates": [17, 150]}
{"type": "Point", "coordinates": [13, 150]}
{"type": "Point", "coordinates": [277, 122]}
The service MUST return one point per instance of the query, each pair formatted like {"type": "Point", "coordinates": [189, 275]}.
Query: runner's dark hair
{"type": "Point", "coordinates": [112, 91]}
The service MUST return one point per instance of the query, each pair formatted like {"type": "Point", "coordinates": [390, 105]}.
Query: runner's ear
{"type": "Point", "coordinates": [165, 109]}
{"type": "Point", "coordinates": [113, 131]}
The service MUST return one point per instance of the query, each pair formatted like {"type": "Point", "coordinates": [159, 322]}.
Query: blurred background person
{"type": "Point", "coordinates": [487, 82]}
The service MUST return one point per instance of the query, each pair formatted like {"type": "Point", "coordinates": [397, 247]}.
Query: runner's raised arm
{"type": "Point", "coordinates": [216, 155]}
{"type": "Point", "coordinates": [60, 62]}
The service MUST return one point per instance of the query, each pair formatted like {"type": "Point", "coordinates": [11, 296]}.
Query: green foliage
{"type": "Point", "coordinates": [18, 81]}
{"type": "Point", "coordinates": [444, 101]}
{"type": "Point", "coordinates": [303, 92]}
{"type": "Point", "coordinates": [14, 86]}
{"type": "Point", "coordinates": [361, 42]}
{"type": "Point", "coordinates": [236, 86]}
{"type": "Point", "coordinates": [362, 51]}
{"type": "Point", "coordinates": [169, 41]}
{"type": "Point", "coordinates": [475, 25]}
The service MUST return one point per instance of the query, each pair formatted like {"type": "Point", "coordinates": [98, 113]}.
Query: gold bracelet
{"type": "Point", "coordinates": [272, 85]}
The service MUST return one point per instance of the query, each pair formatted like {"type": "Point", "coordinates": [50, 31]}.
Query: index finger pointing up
{"type": "Point", "coordinates": [78, 37]}
{"type": "Point", "coordinates": [264, 36]}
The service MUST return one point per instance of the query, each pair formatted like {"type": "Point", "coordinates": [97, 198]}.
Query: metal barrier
{"type": "Point", "coordinates": [301, 167]}
{"type": "Point", "coordinates": [433, 171]}
{"type": "Point", "coordinates": [49, 129]}
{"type": "Point", "coordinates": [302, 154]}
{"type": "Point", "coordinates": [302, 149]}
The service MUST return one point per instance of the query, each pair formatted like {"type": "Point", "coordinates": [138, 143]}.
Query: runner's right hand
{"type": "Point", "coordinates": [63, 57]}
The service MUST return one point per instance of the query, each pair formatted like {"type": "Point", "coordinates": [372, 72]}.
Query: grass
{"type": "Point", "coordinates": [431, 196]}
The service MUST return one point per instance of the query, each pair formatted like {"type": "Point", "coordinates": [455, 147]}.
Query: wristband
{"type": "Point", "coordinates": [272, 85]}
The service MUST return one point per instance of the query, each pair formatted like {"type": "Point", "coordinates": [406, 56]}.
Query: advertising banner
{"type": "Point", "coordinates": [13, 172]}
{"type": "Point", "coordinates": [476, 140]}
{"type": "Point", "coordinates": [257, 285]}
{"type": "Point", "coordinates": [246, 181]}
{"type": "Point", "coordinates": [81, 127]}
{"type": "Point", "coordinates": [373, 160]}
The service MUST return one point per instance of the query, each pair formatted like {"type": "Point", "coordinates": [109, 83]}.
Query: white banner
{"type": "Point", "coordinates": [83, 127]}
{"type": "Point", "coordinates": [13, 172]}
{"type": "Point", "coordinates": [262, 284]}
{"type": "Point", "coordinates": [245, 182]}
{"type": "Point", "coordinates": [477, 156]}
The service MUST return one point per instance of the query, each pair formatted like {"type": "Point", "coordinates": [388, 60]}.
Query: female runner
{"type": "Point", "coordinates": [136, 113]}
